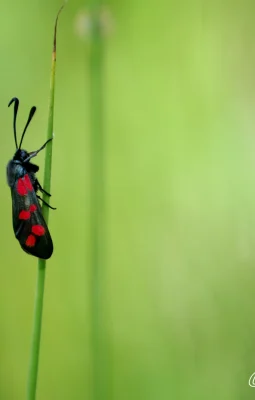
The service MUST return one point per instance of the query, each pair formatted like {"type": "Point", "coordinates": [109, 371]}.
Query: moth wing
{"type": "Point", "coordinates": [29, 225]}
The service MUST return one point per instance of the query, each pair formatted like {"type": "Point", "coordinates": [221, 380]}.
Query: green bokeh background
{"type": "Point", "coordinates": [178, 282]}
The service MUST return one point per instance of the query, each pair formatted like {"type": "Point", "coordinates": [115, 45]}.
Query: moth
{"type": "Point", "coordinates": [29, 225]}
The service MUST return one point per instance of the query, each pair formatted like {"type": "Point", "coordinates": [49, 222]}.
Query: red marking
{"type": "Point", "coordinates": [24, 184]}
{"type": "Point", "coordinates": [38, 230]}
{"type": "Point", "coordinates": [28, 183]}
{"type": "Point", "coordinates": [24, 214]}
{"type": "Point", "coordinates": [32, 208]}
{"type": "Point", "coordinates": [30, 242]}
{"type": "Point", "coordinates": [21, 188]}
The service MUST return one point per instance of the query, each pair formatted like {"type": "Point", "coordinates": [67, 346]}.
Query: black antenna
{"type": "Point", "coordinates": [16, 106]}
{"type": "Point", "coordinates": [32, 111]}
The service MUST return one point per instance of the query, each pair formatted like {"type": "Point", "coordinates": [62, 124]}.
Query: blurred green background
{"type": "Point", "coordinates": [178, 281]}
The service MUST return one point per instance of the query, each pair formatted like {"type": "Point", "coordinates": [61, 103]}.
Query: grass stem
{"type": "Point", "coordinates": [41, 270]}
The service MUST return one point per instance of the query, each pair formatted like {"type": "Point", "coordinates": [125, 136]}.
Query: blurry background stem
{"type": "Point", "coordinates": [97, 196]}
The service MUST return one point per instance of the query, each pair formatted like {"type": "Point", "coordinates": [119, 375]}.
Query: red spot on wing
{"type": "Point", "coordinates": [21, 188]}
{"type": "Point", "coordinates": [32, 208]}
{"type": "Point", "coordinates": [24, 214]}
{"type": "Point", "coordinates": [24, 184]}
{"type": "Point", "coordinates": [28, 183]}
{"type": "Point", "coordinates": [30, 242]}
{"type": "Point", "coordinates": [38, 230]}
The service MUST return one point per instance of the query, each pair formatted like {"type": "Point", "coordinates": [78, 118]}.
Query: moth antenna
{"type": "Point", "coordinates": [16, 106]}
{"type": "Point", "coordinates": [31, 114]}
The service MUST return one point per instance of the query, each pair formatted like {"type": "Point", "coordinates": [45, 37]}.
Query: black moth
{"type": "Point", "coordinates": [28, 223]}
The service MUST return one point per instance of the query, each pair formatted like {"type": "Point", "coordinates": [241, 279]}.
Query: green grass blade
{"type": "Point", "coordinates": [37, 323]}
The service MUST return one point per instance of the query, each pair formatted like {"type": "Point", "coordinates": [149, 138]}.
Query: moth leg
{"type": "Point", "coordinates": [38, 185]}
{"type": "Point", "coordinates": [44, 202]}
{"type": "Point", "coordinates": [34, 153]}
